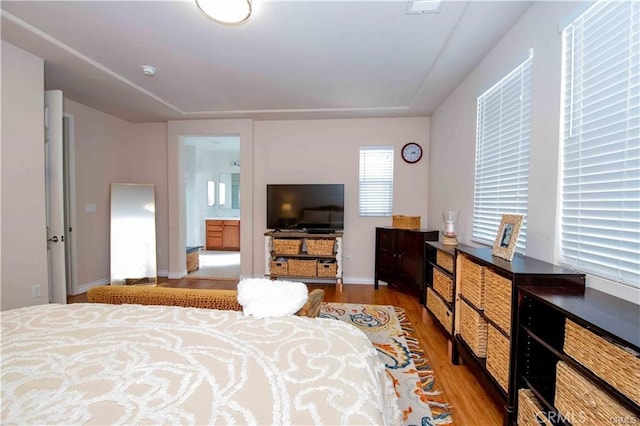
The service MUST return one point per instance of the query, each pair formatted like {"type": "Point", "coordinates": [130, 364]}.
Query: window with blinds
{"type": "Point", "coordinates": [502, 155]}
{"type": "Point", "coordinates": [600, 217]}
{"type": "Point", "coordinates": [376, 181]}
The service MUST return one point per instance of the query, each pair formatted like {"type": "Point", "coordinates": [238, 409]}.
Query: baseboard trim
{"type": "Point", "coordinates": [345, 280]}
{"type": "Point", "coordinates": [177, 275]}
{"type": "Point", "coordinates": [85, 287]}
{"type": "Point", "coordinates": [358, 280]}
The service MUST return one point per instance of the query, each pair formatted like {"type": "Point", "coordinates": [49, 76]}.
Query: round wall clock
{"type": "Point", "coordinates": [411, 152]}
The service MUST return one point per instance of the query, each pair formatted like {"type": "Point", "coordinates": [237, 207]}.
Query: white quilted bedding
{"type": "Point", "coordinates": [130, 364]}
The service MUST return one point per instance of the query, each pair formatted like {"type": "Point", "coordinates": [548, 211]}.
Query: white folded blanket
{"type": "Point", "coordinates": [261, 297]}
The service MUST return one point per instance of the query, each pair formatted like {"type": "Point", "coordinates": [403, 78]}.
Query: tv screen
{"type": "Point", "coordinates": [305, 206]}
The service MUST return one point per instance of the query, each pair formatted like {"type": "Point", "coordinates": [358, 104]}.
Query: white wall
{"type": "Point", "coordinates": [143, 159]}
{"type": "Point", "coordinates": [453, 133]}
{"type": "Point", "coordinates": [299, 151]}
{"type": "Point", "coordinates": [96, 139]}
{"type": "Point", "coordinates": [327, 151]}
{"type": "Point", "coordinates": [110, 150]}
{"type": "Point", "coordinates": [23, 222]}
{"type": "Point", "coordinates": [177, 132]}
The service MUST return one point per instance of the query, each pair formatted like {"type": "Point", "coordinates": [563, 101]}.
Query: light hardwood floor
{"type": "Point", "coordinates": [471, 405]}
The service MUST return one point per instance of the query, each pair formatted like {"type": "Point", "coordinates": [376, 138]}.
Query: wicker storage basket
{"type": "Point", "coordinates": [578, 398]}
{"type": "Point", "coordinates": [498, 356]}
{"type": "Point", "coordinates": [406, 222]}
{"type": "Point", "coordinates": [193, 261]}
{"type": "Point", "coordinates": [445, 260]}
{"type": "Point", "coordinates": [319, 247]}
{"type": "Point", "coordinates": [473, 329]}
{"type": "Point", "coordinates": [472, 282]}
{"type": "Point", "coordinates": [442, 284]}
{"type": "Point", "coordinates": [439, 310]}
{"type": "Point", "coordinates": [287, 246]}
{"type": "Point", "coordinates": [611, 363]}
{"type": "Point", "coordinates": [278, 267]}
{"type": "Point", "coordinates": [303, 267]}
{"type": "Point", "coordinates": [327, 269]}
{"type": "Point", "coordinates": [530, 410]}
{"type": "Point", "coordinates": [497, 300]}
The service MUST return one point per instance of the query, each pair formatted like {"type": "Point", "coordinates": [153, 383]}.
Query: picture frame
{"type": "Point", "coordinates": [504, 245]}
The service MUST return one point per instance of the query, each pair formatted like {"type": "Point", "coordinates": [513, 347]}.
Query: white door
{"type": "Point", "coordinates": [69, 203]}
{"type": "Point", "coordinates": [55, 196]}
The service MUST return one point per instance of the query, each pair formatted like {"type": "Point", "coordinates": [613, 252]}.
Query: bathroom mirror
{"type": "Point", "coordinates": [133, 234]}
{"type": "Point", "coordinates": [229, 190]}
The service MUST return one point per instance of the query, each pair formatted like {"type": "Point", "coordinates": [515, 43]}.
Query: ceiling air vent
{"type": "Point", "coordinates": [424, 6]}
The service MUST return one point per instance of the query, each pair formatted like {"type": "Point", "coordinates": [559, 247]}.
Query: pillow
{"type": "Point", "coordinates": [261, 297]}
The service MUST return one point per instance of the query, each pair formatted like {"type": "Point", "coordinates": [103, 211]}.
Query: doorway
{"type": "Point", "coordinates": [212, 193]}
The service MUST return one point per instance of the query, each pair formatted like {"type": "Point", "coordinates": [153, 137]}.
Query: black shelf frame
{"type": "Point", "coordinates": [521, 271]}
{"type": "Point", "coordinates": [538, 302]}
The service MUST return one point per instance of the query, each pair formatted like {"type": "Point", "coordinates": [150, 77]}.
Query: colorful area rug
{"type": "Point", "coordinates": [391, 333]}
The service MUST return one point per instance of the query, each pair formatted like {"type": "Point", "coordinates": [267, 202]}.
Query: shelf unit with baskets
{"type": "Point", "coordinates": [303, 256]}
{"type": "Point", "coordinates": [578, 357]}
{"type": "Point", "coordinates": [440, 287]}
{"type": "Point", "coordinates": [486, 309]}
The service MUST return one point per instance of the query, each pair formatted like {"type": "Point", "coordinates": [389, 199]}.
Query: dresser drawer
{"type": "Point", "coordinates": [443, 285]}
{"type": "Point", "coordinates": [498, 363]}
{"type": "Point", "coordinates": [445, 260]}
{"type": "Point", "coordinates": [579, 399]}
{"type": "Point", "coordinates": [473, 329]}
{"type": "Point", "coordinates": [472, 282]}
{"type": "Point", "coordinates": [613, 364]}
{"type": "Point", "coordinates": [497, 301]}
{"type": "Point", "coordinates": [530, 411]}
{"type": "Point", "coordinates": [439, 309]}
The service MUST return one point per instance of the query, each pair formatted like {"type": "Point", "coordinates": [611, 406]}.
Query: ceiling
{"type": "Point", "coordinates": [293, 59]}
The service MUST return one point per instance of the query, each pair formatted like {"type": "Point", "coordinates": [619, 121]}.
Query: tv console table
{"type": "Point", "coordinates": [306, 256]}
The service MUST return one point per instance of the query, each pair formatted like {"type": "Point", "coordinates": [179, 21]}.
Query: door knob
{"type": "Point", "coordinates": [53, 239]}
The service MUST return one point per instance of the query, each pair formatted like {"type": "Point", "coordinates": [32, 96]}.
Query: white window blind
{"type": "Point", "coordinates": [376, 180]}
{"type": "Point", "coordinates": [600, 218]}
{"type": "Point", "coordinates": [502, 155]}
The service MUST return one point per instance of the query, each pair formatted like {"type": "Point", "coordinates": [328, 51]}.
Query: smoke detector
{"type": "Point", "coordinates": [148, 70]}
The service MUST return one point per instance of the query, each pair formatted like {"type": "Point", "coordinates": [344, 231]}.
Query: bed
{"type": "Point", "coordinates": [132, 364]}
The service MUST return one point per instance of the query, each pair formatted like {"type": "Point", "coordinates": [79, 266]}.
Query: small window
{"type": "Point", "coordinates": [222, 194]}
{"type": "Point", "coordinates": [211, 193]}
{"type": "Point", "coordinates": [502, 155]}
{"type": "Point", "coordinates": [376, 181]}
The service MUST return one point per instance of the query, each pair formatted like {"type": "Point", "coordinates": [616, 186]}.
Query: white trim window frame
{"type": "Point", "coordinates": [502, 155]}
{"type": "Point", "coordinates": [599, 227]}
{"type": "Point", "coordinates": [375, 196]}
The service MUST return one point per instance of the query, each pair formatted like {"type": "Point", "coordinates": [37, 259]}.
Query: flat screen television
{"type": "Point", "coordinates": [305, 206]}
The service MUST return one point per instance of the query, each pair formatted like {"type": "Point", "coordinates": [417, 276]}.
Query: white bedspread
{"type": "Point", "coordinates": [130, 364]}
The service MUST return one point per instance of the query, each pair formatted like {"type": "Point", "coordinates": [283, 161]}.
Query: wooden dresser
{"type": "Point", "coordinates": [400, 258]}
{"type": "Point", "coordinates": [222, 234]}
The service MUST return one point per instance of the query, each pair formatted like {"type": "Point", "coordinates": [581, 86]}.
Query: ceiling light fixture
{"type": "Point", "coordinates": [148, 70]}
{"type": "Point", "coordinates": [230, 12]}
